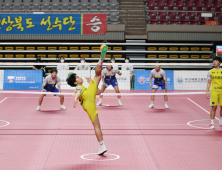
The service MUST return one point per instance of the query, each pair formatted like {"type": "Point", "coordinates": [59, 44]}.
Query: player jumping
{"type": "Point", "coordinates": [87, 96]}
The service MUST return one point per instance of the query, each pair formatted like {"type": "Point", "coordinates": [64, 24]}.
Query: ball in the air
{"type": "Point", "coordinates": [101, 47]}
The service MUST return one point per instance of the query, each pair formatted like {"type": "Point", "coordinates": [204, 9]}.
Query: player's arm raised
{"type": "Point", "coordinates": [76, 98]}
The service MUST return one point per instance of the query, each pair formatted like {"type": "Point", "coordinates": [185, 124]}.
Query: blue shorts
{"type": "Point", "coordinates": [51, 90]}
{"type": "Point", "coordinates": [113, 83]}
{"type": "Point", "coordinates": [156, 86]}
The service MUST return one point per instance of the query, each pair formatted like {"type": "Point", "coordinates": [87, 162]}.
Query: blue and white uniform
{"type": "Point", "coordinates": [50, 84]}
{"type": "Point", "coordinates": [110, 77]}
{"type": "Point", "coordinates": [159, 79]}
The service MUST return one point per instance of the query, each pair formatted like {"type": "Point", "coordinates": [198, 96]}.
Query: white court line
{"type": "Point", "coordinates": [201, 107]}
{"type": "Point", "coordinates": [3, 100]}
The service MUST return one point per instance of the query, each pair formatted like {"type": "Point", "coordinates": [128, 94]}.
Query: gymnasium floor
{"type": "Point", "coordinates": [137, 138]}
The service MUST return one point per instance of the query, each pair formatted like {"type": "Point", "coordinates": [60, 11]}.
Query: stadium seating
{"type": "Point", "coordinates": [180, 17]}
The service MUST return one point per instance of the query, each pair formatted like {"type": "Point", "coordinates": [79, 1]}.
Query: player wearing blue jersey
{"type": "Point", "coordinates": [160, 80]}
{"type": "Point", "coordinates": [109, 78]}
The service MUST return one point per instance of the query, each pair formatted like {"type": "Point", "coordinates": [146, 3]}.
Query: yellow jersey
{"type": "Point", "coordinates": [216, 79]}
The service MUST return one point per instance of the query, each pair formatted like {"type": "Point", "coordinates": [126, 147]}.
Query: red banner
{"type": "Point", "coordinates": [211, 22]}
{"type": "Point", "coordinates": [94, 23]}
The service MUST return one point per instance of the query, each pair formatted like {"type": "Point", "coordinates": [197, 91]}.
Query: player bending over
{"type": "Point", "coordinates": [110, 79]}
{"type": "Point", "coordinates": [159, 81]}
{"type": "Point", "coordinates": [49, 85]}
{"type": "Point", "coordinates": [215, 82]}
{"type": "Point", "coordinates": [87, 96]}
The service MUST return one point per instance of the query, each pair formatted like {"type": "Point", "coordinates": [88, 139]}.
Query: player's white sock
{"type": "Point", "coordinates": [100, 62]}
{"type": "Point", "coordinates": [212, 121]}
{"type": "Point", "coordinates": [165, 102]}
{"type": "Point", "coordinates": [102, 144]}
{"type": "Point", "coordinates": [119, 100]}
{"type": "Point", "coordinates": [100, 99]}
{"type": "Point", "coordinates": [151, 102]}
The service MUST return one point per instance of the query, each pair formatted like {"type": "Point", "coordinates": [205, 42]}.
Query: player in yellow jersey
{"type": "Point", "coordinates": [87, 96]}
{"type": "Point", "coordinates": [215, 82]}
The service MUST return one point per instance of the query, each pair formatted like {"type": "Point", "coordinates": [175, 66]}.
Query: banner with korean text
{"type": "Point", "coordinates": [53, 23]}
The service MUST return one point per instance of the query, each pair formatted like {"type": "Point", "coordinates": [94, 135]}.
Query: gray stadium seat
{"type": "Point", "coordinates": [16, 7]}
{"type": "Point", "coordinates": [94, 5]}
{"type": "Point", "coordinates": [114, 18]}
{"type": "Point", "coordinates": [113, 2]}
{"type": "Point", "coordinates": [113, 7]}
{"type": "Point", "coordinates": [84, 5]}
{"type": "Point", "coordinates": [16, 2]}
{"type": "Point", "coordinates": [36, 5]}
{"type": "Point", "coordinates": [8, 5]}
{"type": "Point", "coordinates": [45, 5]}
{"type": "Point", "coordinates": [65, 5]}
{"type": "Point", "coordinates": [55, 2]}
{"type": "Point", "coordinates": [104, 5]}
{"type": "Point", "coordinates": [74, 4]}
{"type": "Point", "coordinates": [26, 4]}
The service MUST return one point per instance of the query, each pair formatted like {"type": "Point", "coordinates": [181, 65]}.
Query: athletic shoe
{"type": "Point", "coordinates": [150, 106]}
{"type": "Point", "coordinates": [211, 126]}
{"type": "Point", "coordinates": [62, 107]}
{"type": "Point", "coordinates": [220, 122]}
{"type": "Point", "coordinates": [166, 106]}
{"type": "Point", "coordinates": [99, 103]}
{"type": "Point", "coordinates": [102, 151]}
{"type": "Point", "coordinates": [120, 103]}
{"type": "Point", "coordinates": [38, 108]}
{"type": "Point", "coordinates": [103, 52]}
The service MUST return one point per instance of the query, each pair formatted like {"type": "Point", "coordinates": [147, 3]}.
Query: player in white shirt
{"type": "Point", "coordinates": [110, 79]}
{"type": "Point", "coordinates": [82, 67]}
{"type": "Point", "coordinates": [62, 67]}
{"type": "Point", "coordinates": [160, 80]}
{"type": "Point", "coordinates": [113, 61]}
{"type": "Point", "coordinates": [128, 67]}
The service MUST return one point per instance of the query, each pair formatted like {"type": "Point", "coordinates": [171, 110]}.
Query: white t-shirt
{"type": "Point", "coordinates": [62, 67]}
{"type": "Point", "coordinates": [159, 77]}
{"type": "Point", "coordinates": [127, 67]}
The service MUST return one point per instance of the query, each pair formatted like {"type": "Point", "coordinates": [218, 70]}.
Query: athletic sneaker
{"type": "Point", "coordinates": [38, 108]}
{"type": "Point", "coordinates": [150, 106]}
{"type": "Point", "coordinates": [211, 126]}
{"type": "Point", "coordinates": [62, 107]}
{"type": "Point", "coordinates": [220, 122]}
{"type": "Point", "coordinates": [103, 52]}
{"type": "Point", "coordinates": [102, 151]}
{"type": "Point", "coordinates": [99, 103]}
{"type": "Point", "coordinates": [166, 106]}
{"type": "Point", "coordinates": [120, 103]}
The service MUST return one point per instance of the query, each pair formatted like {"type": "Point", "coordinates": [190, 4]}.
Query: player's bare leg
{"type": "Point", "coordinates": [165, 99]}
{"type": "Point", "coordinates": [116, 88]}
{"type": "Point", "coordinates": [103, 88]}
{"type": "Point", "coordinates": [62, 101]}
{"type": "Point", "coordinates": [152, 98]}
{"type": "Point", "coordinates": [212, 116]}
{"type": "Point", "coordinates": [40, 101]}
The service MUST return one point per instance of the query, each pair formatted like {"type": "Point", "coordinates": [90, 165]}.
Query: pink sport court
{"type": "Point", "coordinates": [137, 138]}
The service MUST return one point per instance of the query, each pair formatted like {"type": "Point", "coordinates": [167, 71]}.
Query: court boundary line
{"type": "Point", "coordinates": [201, 107]}
{"type": "Point", "coordinates": [3, 100]}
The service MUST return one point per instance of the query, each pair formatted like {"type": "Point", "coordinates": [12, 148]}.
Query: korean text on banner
{"type": "Point", "coordinates": [142, 80]}
{"type": "Point", "coordinates": [190, 80]}
{"type": "Point", "coordinates": [22, 80]}
{"type": "Point", "coordinates": [53, 24]}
